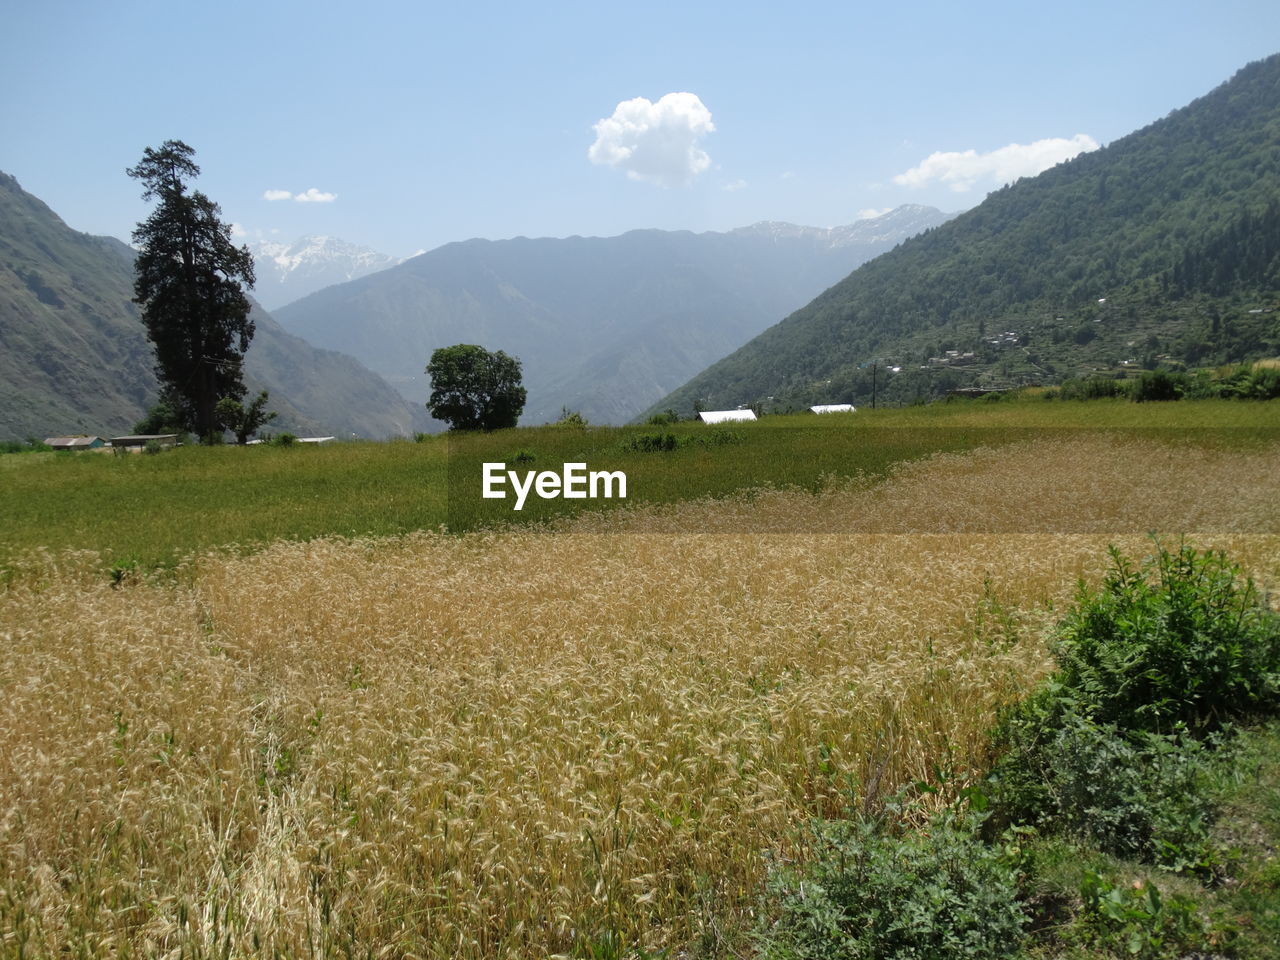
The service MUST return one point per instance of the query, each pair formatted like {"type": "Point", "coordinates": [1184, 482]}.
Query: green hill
{"type": "Point", "coordinates": [1161, 248]}
{"type": "Point", "coordinates": [74, 357]}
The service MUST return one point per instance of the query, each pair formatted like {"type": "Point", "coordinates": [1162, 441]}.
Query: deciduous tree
{"type": "Point", "coordinates": [473, 389]}
{"type": "Point", "coordinates": [244, 421]}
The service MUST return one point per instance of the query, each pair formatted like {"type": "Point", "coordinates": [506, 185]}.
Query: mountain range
{"type": "Point", "coordinates": [1162, 248]}
{"type": "Point", "coordinates": [602, 325]}
{"type": "Point", "coordinates": [290, 271]}
{"type": "Point", "coordinates": [74, 357]}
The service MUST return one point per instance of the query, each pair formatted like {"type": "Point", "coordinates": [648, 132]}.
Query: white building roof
{"type": "Point", "coordinates": [723, 416]}
{"type": "Point", "coordinates": [834, 408]}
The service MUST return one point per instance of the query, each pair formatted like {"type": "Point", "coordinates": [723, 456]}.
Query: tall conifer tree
{"type": "Point", "coordinates": [188, 278]}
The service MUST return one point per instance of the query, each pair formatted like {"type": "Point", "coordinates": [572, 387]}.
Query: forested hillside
{"type": "Point", "coordinates": [1162, 248]}
{"type": "Point", "coordinates": [74, 357]}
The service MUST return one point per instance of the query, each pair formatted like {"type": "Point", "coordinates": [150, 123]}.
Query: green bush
{"type": "Point", "coordinates": [1117, 746]}
{"type": "Point", "coordinates": [1180, 639]}
{"type": "Point", "coordinates": [571, 418]}
{"type": "Point", "coordinates": [663, 419]}
{"type": "Point", "coordinates": [1263, 384]}
{"type": "Point", "coordinates": [1159, 385]}
{"type": "Point", "coordinates": [939, 893]}
{"type": "Point", "coordinates": [1139, 795]}
{"type": "Point", "coordinates": [1093, 388]}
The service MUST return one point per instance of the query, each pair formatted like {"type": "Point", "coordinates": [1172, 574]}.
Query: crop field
{"type": "Point", "coordinates": [155, 510]}
{"type": "Point", "coordinates": [590, 738]}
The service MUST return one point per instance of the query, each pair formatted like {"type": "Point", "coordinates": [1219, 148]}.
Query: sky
{"type": "Point", "coordinates": [402, 126]}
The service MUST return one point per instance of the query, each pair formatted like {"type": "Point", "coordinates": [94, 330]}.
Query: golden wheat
{"type": "Point", "coordinates": [527, 742]}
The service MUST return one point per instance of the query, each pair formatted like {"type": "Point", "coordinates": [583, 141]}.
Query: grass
{"type": "Point", "coordinates": [1237, 915]}
{"type": "Point", "coordinates": [585, 740]}
{"type": "Point", "coordinates": [1250, 828]}
{"type": "Point", "coordinates": [155, 510]}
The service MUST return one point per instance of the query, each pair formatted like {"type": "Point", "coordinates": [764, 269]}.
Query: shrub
{"type": "Point", "coordinates": [1139, 795]}
{"type": "Point", "coordinates": [1110, 748]}
{"type": "Point", "coordinates": [666, 442]}
{"type": "Point", "coordinates": [653, 443]}
{"type": "Point", "coordinates": [1159, 385]}
{"type": "Point", "coordinates": [1263, 384]}
{"type": "Point", "coordinates": [663, 419]}
{"type": "Point", "coordinates": [284, 440]}
{"type": "Point", "coordinates": [1180, 639]}
{"type": "Point", "coordinates": [571, 418]}
{"type": "Point", "coordinates": [1093, 388]}
{"type": "Point", "coordinates": [939, 893]}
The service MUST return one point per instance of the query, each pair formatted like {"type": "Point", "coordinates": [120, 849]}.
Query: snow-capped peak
{"type": "Point", "coordinates": [289, 271]}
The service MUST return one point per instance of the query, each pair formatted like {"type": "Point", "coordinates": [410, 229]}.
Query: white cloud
{"type": "Point", "coordinates": [311, 196]}
{"type": "Point", "coordinates": [238, 231]}
{"type": "Point", "coordinates": [735, 186]}
{"type": "Point", "coordinates": [870, 213]}
{"type": "Point", "coordinates": [962, 170]}
{"type": "Point", "coordinates": [655, 142]}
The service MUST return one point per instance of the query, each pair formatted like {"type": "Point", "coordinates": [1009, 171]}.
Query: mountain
{"type": "Point", "coordinates": [289, 271]}
{"type": "Point", "coordinates": [604, 326]}
{"type": "Point", "coordinates": [74, 357]}
{"type": "Point", "coordinates": [1161, 248]}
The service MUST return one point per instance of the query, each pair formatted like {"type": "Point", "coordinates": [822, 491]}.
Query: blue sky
{"type": "Point", "coordinates": [408, 125]}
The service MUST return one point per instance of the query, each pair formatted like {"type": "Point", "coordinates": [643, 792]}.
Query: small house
{"type": "Point", "coordinates": [75, 443]}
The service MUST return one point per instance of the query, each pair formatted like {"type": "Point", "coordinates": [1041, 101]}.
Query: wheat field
{"type": "Point", "coordinates": [583, 740]}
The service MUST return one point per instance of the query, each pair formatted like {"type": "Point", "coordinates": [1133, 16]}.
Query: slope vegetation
{"type": "Point", "coordinates": [74, 357]}
{"type": "Point", "coordinates": [1162, 247]}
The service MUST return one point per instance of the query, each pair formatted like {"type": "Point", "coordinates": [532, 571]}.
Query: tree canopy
{"type": "Point", "coordinates": [473, 389]}
{"type": "Point", "coordinates": [187, 280]}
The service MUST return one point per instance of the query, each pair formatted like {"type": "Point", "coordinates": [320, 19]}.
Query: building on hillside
{"type": "Point", "coordinates": [834, 408]}
{"type": "Point", "coordinates": [75, 443]}
{"type": "Point", "coordinates": [725, 416]}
